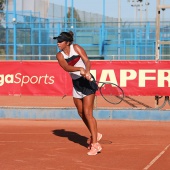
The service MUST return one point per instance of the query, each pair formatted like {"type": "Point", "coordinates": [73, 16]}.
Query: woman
{"type": "Point", "coordinates": [73, 59]}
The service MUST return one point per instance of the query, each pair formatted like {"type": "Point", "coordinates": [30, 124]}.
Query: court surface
{"type": "Point", "coordinates": [62, 145]}
{"type": "Point", "coordinates": [129, 102]}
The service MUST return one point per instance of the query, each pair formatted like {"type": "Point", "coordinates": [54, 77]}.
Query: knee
{"type": "Point", "coordinates": [89, 115]}
{"type": "Point", "coordinates": [80, 114]}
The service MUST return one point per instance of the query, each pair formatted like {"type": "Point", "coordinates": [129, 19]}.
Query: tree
{"type": "Point", "coordinates": [2, 4]}
{"type": "Point", "coordinates": [2, 29]}
{"type": "Point", "coordinates": [76, 15]}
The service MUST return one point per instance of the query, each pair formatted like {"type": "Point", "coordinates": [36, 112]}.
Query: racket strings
{"type": "Point", "coordinates": [112, 93]}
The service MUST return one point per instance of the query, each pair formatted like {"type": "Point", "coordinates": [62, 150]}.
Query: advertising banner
{"type": "Point", "coordinates": [136, 78]}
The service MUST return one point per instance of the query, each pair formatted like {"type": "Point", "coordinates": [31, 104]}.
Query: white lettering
{"type": "Point", "coordinates": [9, 78]}
{"type": "Point", "coordinates": [93, 72]}
{"type": "Point", "coordinates": [1, 79]}
{"type": "Point", "coordinates": [51, 80]}
{"type": "Point", "coordinates": [25, 80]}
{"type": "Point", "coordinates": [143, 77]}
{"type": "Point", "coordinates": [162, 78]}
{"type": "Point", "coordinates": [108, 74]}
{"type": "Point", "coordinates": [126, 75]}
{"type": "Point", "coordinates": [34, 77]}
{"type": "Point", "coordinates": [19, 78]}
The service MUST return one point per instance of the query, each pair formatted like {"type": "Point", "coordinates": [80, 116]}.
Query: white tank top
{"type": "Point", "coordinates": [75, 60]}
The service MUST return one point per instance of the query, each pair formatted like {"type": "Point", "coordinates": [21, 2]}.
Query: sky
{"type": "Point", "coordinates": [126, 10]}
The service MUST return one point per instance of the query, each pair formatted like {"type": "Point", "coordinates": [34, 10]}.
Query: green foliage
{"type": "Point", "coordinates": [76, 15]}
{"type": "Point", "coordinates": [2, 4]}
{"type": "Point", "coordinates": [2, 30]}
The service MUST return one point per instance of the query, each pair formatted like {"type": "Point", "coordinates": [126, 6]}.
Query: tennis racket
{"type": "Point", "coordinates": [111, 92]}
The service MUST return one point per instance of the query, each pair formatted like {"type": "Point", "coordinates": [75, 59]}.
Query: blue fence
{"type": "Point", "coordinates": [31, 38]}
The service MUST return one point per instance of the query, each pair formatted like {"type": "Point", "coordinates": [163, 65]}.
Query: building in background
{"type": "Point", "coordinates": [35, 6]}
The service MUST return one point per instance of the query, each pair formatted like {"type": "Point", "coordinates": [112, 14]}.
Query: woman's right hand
{"type": "Point", "coordinates": [82, 71]}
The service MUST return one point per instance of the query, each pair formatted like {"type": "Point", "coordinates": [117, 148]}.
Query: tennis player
{"type": "Point", "coordinates": [73, 59]}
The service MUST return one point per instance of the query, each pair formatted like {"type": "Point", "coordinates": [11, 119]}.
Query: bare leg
{"type": "Point", "coordinates": [88, 103]}
{"type": "Point", "coordinates": [79, 105]}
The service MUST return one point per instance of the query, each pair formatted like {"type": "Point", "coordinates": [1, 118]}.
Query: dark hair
{"type": "Point", "coordinates": [71, 33]}
{"type": "Point", "coordinates": [65, 36]}
{"type": "Point", "coordinates": [68, 35]}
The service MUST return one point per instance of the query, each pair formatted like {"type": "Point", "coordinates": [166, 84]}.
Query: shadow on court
{"type": "Point", "coordinates": [72, 136]}
{"type": "Point", "coordinates": [48, 145]}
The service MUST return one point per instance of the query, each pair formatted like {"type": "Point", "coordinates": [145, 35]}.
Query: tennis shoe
{"type": "Point", "coordinates": [95, 149]}
{"type": "Point", "coordinates": [99, 136]}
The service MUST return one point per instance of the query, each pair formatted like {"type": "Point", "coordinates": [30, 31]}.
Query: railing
{"type": "Point", "coordinates": [91, 57]}
{"type": "Point", "coordinates": [101, 40]}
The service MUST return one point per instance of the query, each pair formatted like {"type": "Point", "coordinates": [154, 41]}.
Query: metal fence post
{"type": "Point", "coordinates": [14, 25]}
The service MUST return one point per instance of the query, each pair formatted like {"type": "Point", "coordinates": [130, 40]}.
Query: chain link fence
{"type": "Point", "coordinates": [34, 30]}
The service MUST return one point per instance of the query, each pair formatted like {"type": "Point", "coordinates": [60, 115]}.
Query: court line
{"type": "Point", "coordinates": [24, 133]}
{"type": "Point", "coordinates": [156, 158]}
{"type": "Point", "coordinates": [1, 142]}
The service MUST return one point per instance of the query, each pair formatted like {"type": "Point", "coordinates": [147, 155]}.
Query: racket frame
{"type": "Point", "coordinates": [116, 86]}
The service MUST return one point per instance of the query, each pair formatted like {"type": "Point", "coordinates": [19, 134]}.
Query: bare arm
{"type": "Point", "coordinates": [62, 62]}
{"type": "Point", "coordinates": [85, 59]}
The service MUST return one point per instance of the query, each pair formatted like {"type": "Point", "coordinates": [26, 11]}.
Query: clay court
{"type": "Point", "coordinates": [129, 102]}
{"type": "Point", "coordinates": [62, 145]}
{"type": "Point", "coordinates": [46, 144]}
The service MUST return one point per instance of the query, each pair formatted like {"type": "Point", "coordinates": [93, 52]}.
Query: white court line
{"type": "Point", "coordinates": [30, 142]}
{"type": "Point", "coordinates": [156, 158]}
{"type": "Point", "coordinates": [4, 133]}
